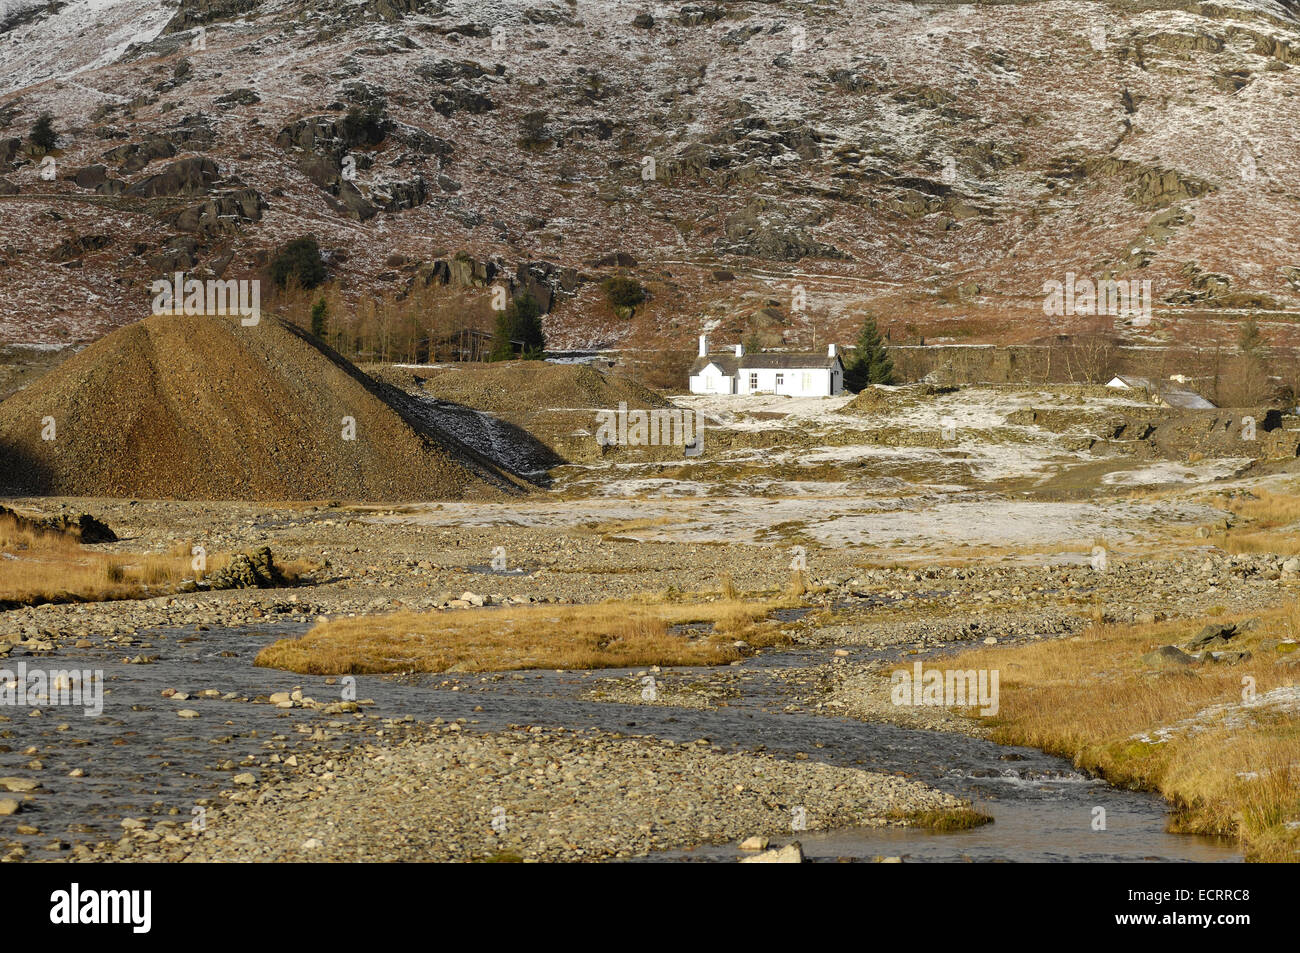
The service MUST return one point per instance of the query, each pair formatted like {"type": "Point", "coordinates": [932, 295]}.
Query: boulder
{"type": "Point", "coordinates": [135, 156]}
{"type": "Point", "coordinates": [1218, 635]}
{"type": "Point", "coordinates": [254, 570]}
{"type": "Point", "coordinates": [84, 527]}
{"type": "Point", "coordinates": [78, 246]}
{"type": "Point", "coordinates": [92, 176]}
{"type": "Point", "coordinates": [1167, 656]}
{"type": "Point", "coordinates": [192, 176]}
{"type": "Point", "coordinates": [221, 214]}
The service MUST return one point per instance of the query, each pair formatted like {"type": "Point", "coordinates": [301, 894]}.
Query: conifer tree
{"type": "Point", "coordinates": [871, 363]}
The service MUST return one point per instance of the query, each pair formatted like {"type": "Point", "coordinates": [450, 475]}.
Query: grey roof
{"type": "Point", "coordinates": [1132, 381]}
{"type": "Point", "coordinates": [726, 362]}
{"type": "Point", "coordinates": [1184, 399]}
{"type": "Point", "coordinates": [1180, 397]}
{"type": "Point", "coordinates": [767, 360]}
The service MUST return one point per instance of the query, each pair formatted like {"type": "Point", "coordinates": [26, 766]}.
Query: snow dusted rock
{"type": "Point", "coordinates": [791, 853]}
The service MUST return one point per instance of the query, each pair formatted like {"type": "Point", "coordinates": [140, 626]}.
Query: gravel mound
{"type": "Point", "coordinates": [201, 407]}
{"type": "Point", "coordinates": [513, 388]}
{"type": "Point", "coordinates": [875, 400]}
{"type": "Point", "coordinates": [552, 407]}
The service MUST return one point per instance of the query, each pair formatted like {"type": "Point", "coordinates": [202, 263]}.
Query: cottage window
{"type": "Point", "coordinates": [753, 380]}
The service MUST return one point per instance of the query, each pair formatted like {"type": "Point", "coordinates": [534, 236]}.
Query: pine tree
{"type": "Point", "coordinates": [43, 135]}
{"type": "Point", "coordinates": [871, 363]}
{"type": "Point", "coordinates": [318, 311]}
{"type": "Point", "coordinates": [520, 321]}
{"type": "Point", "coordinates": [301, 260]}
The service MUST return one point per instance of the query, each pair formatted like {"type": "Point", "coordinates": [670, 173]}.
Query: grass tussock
{"type": "Point", "coordinates": [603, 635]}
{"type": "Point", "coordinates": [797, 586]}
{"type": "Point", "coordinates": [1229, 768]}
{"type": "Point", "coordinates": [944, 820]}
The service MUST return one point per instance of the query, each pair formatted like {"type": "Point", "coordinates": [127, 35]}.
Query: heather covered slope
{"type": "Point", "coordinates": [935, 162]}
{"type": "Point", "coordinates": [193, 407]}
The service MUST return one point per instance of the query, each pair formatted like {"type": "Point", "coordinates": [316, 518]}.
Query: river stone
{"type": "Point", "coordinates": [791, 853]}
{"type": "Point", "coordinates": [8, 806]}
{"type": "Point", "coordinates": [19, 785]}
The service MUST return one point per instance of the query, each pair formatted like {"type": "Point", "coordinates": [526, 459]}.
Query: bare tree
{"type": "Point", "coordinates": [1245, 382]}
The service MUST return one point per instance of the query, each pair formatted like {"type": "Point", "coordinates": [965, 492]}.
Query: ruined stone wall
{"type": "Point", "coordinates": [1062, 362]}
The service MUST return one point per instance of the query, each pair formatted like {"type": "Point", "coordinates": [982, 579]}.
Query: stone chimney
{"type": "Point", "coordinates": [831, 350]}
{"type": "Point", "coordinates": [704, 345]}
{"type": "Point", "coordinates": [740, 350]}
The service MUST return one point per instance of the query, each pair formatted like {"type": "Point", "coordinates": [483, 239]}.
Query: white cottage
{"type": "Point", "coordinates": [792, 373]}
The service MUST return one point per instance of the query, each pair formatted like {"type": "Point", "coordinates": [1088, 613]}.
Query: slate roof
{"type": "Point", "coordinates": [768, 360]}
{"type": "Point", "coordinates": [1184, 399]}
{"type": "Point", "coordinates": [727, 363]}
{"type": "Point", "coordinates": [1180, 397]}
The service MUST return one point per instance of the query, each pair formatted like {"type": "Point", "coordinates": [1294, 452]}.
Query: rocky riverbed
{"type": "Point", "coordinates": [200, 755]}
{"type": "Point", "coordinates": [442, 793]}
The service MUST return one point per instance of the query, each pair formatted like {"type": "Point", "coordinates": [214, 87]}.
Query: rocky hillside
{"type": "Point", "coordinates": [762, 168]}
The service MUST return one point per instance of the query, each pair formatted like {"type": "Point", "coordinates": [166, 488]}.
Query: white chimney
{"type": "Point", "coordinates": [830, 351]}
{"type": "Point", "coordinates": [740, 350]}
{"type": "Point", "coordinates": [704, 345]}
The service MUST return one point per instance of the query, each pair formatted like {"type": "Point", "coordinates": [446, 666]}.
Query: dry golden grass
{"type": "Point", "coordinates": [38, 565]}
{"type": "Point", "coordinates": [1269, 511]}
{"type": "Point", "coordinates": [1266, 524]}
{"type": "Point", "coordinates": [1091, 699]}
{"type": "Point", "coordinates": [1281, 544]}
{"type": "Point", "coordinates": [603, 635]}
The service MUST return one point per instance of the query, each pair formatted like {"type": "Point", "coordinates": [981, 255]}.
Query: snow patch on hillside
{"type": "Point", "coordinates": [83, 35]}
